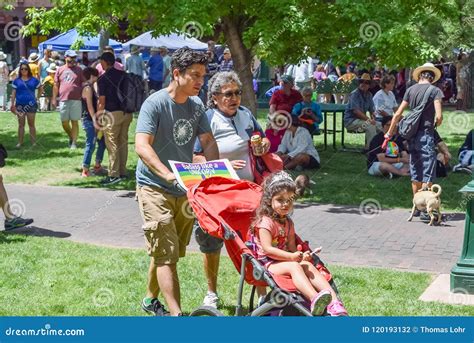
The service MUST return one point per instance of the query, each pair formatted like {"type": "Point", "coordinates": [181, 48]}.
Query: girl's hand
{"type": "Point", "coordinates": [307, 256]}
{"type": "Point", "coordinates": [297, 256]}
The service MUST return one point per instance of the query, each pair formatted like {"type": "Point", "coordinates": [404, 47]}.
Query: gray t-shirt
{"type": "Point", "coordinates": [360, 101]}
{"type": "Point", "coordinates": [175, 128]}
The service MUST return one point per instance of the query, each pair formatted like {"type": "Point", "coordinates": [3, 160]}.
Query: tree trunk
{"type": "Point", "coordinates": [103, 40]}
{"type": "Point", "coordinates": [242, 58]}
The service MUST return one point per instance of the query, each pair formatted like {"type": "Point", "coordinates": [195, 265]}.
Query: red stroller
{"type": "Point", "coordinates": [225, 209]}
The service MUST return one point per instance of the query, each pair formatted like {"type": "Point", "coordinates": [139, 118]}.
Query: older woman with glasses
{"type": "Point", "coordinates": [23, 101]}
{"type": "Point", "coordinates": [355, 116]}
{"type": "Point", "coordinates": [232, 126]}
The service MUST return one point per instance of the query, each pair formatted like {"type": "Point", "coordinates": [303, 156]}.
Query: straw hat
{"type": "Point", "coordinates": [427, 67]}
{"type": "Point", "coordinates": [154, 49]}
{"type": "Point", "coordinates": [365, 77]}
{"type": "Point", "coordinates": [3, 56]}
{"type": "Point", "coordinates": [33, 57]}
{"type": "Point", "coordinates": [52, 68]}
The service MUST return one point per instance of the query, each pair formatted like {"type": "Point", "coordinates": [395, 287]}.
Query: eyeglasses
{"type": "Point", "coordinates": [24, 69]}
{"type": "Point", "coordinates": [229, 94]}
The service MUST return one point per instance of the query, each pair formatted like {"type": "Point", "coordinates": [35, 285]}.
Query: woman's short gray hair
{"type": "Point", "coordinates": [218, 81]}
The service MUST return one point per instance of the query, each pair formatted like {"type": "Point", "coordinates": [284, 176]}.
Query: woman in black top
{"type": "Point", "coordinates": [90, 124]}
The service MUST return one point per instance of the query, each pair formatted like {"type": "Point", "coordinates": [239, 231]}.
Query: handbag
{"type": "Point", "coordinates": [408, 126]}
{"type": "Point", "coordinates": [264, 165]}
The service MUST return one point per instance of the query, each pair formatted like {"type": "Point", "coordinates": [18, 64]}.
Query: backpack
{"type": "Point", "coordinates": [131, 93]}
{"type": "Point", "coordinates": [408, 126]}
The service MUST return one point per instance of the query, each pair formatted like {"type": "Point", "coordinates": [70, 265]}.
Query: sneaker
{"type": "Point", "coordinates": [70, 143]}
{"type": "Point", "coordinates": [155, 308]}
{"type": "Point", "coordinates": [320, 302]}
{"type": "Point", "coordinates": [211, 299]}
{"type": "Point", "coordinates": [458, 168]}
{"type": "Point", "coordinates": [16, 223]}
{"type": "Point", "coordinates": [261, 300]}
{"type": "Point", "coordinates": [110, 180]}
{"type": "Point", "coordinates": [336, 309]}
{"type": "Point", "coordinates": [73, 146]}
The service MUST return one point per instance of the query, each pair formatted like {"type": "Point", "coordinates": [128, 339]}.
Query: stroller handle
{"type": "Point", "coordinates": [179, 187]}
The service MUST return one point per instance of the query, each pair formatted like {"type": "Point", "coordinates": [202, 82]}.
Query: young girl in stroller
{"type": "Point", "coordinates": [276, 246]}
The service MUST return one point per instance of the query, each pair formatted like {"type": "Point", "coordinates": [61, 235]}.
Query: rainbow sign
{"type": "Point", "coordinates": [188, 174]}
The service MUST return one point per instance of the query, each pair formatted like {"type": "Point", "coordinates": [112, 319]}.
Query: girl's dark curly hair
{"type": "Point", "coordinates": [272, 185]}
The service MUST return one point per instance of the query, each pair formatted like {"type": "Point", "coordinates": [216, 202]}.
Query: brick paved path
{"type": "Point", "coordinates": [111, 218]}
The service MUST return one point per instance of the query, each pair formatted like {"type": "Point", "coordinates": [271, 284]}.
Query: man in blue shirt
{"type": "Point", "coordinates": [155, 65]}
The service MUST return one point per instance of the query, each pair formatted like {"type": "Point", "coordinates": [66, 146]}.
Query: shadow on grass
{"type": "Point", "coordinates": [38, 232]}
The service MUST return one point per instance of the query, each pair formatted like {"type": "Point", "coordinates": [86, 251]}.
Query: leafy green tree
{"type": "Point", "coordinates": [395, 33]}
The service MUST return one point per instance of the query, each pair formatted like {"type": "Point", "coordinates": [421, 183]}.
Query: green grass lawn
{"type": "Point", "coordinates": [49, 277]}
{"type": "Point", "coordinates": [342, 178]}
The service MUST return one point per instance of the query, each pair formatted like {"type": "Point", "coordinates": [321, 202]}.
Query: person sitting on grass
{"type": "Point", "coordinates": [297, 149]}
{"type": "Point", "coordinates": [394, 160]}
{"type": "Point", "coordinates": [466, 155]}
{"type": "Point", "coordinates": [275, 239]}
{"type": "Point", "coordinates": [309, 112]}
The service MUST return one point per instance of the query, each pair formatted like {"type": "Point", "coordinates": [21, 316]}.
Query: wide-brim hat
{"type": "Point", "coordinates": [33, 57]}
{"type": "Point", "coordinates": [52, 68]}
{"type": "Point", "coordinates": [427, 67]}
{"type": "Point", "coordinates": [365, 77]}
{"type": "Point", "coordinates": [3, 56]}
{"type": "Point", "coordinates": [155, 49]}
{"type": "Point", "coordinates": [70, 53]}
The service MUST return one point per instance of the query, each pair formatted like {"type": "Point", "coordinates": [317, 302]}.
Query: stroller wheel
{"type": "Point", "coordinates": [206, 311]}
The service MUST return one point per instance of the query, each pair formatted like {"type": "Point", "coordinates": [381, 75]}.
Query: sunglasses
{"type": "Point", "coordinates": [229, 94]}
{"type": "Point", "coordinates": [365, 82]}
{"type": "Point", "coordinates": [24, 69]}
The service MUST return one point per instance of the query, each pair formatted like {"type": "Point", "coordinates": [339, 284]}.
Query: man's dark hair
{"type": "Point", "coordinates": [108, 58]}
{"type": "Point", "coordinates": [386, 119]}
{"type": "Point", "coordinates": [185, 57]}
{"type": "Point", "coordinates": [88, 72]}
{"type": "Point", "coordinates": [427, 75]}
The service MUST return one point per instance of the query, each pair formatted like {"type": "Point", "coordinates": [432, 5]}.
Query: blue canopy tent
{"type": "Point", "coordinates": [172, 41]}
{"type": "Point", "coordinates": [64, 41]}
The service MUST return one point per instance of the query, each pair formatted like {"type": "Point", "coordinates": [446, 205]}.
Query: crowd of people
{"type": "Point", "coordinates": [223, 129]}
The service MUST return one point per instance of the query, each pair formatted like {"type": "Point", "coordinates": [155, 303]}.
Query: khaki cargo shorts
{"type": "Point", "coordinates": [168, 224]}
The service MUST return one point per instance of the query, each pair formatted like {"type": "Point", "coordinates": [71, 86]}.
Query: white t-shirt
{"type": "Point", "coordinates": [232, 135]}
{"type": "Point", "coordinates": [300, 143]}
{"type": "Point", "coordinates": [385, 102]}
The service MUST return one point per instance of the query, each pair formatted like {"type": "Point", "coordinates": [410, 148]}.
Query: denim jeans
{"type": "Point", "coordinates": [91, 139]}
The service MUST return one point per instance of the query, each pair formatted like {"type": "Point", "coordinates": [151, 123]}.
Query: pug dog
{"type": "Point", "coordinates": [428, 200]}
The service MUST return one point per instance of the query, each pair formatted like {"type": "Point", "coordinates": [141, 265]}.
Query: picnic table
{"type": "Point", "coordinates": [336, 110]}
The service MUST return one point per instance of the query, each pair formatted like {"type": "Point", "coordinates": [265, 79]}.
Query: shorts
{"type": "Point", "coordinates": [207, 244]}
{"type": "Point", "coordinates": [70, 110]}
{"type": "Point", "coordinates": [374, 169]}
{"type": "Point", "coordinates": [168, 224]}
{"type": "Point", "coordinates": [422, 157]}
{"type": "Point", "coordinates": [23, 109]}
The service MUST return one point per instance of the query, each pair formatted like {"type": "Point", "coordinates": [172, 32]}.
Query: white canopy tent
{"type": "Point", "coordinates": [172, 41]}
